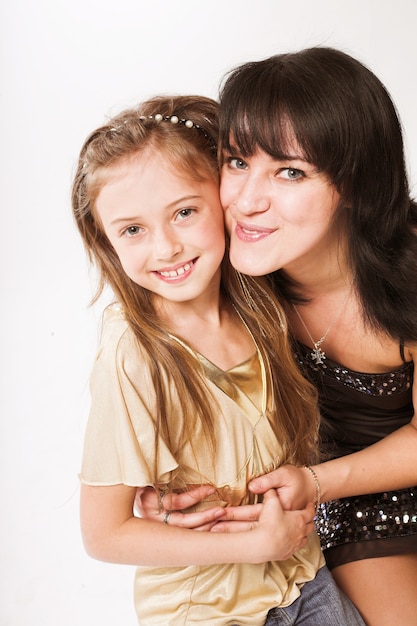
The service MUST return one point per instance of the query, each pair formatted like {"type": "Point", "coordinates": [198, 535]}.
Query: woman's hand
{"type": "Point", "coordinates": [150, 506]}
{"type": "Point", "coordinates": [295, 486]}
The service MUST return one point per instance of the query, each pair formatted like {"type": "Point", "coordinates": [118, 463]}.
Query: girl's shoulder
{"type": "Point", "coordinates": [114, 329]}
{"type": "Point", "coordinates": [113, 322]}
{"type": "Point", "coordinates": [118, 345]}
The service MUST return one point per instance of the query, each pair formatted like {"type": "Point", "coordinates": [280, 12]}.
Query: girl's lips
{"type": "Point", "coordinates": [244, 232]}
{"type": "Point", "coordinates": [178, 272]}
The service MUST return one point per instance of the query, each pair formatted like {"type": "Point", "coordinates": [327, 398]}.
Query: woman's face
{"type": "Point", "coordinates": [278, 213]}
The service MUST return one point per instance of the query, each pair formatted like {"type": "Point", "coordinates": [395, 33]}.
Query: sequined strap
{"type": "Point", "coordinates": [383, 384]}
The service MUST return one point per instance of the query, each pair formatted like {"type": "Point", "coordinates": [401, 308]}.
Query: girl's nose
{"type": "Point", "coordinates": [166, 245]}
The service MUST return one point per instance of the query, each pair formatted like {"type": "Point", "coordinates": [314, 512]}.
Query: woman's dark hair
{"type": "Point", "coordinates": [346, 124]}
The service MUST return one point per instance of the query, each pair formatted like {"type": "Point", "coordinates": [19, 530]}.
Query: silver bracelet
{"type": "Point", "coordinates": [317, 484]}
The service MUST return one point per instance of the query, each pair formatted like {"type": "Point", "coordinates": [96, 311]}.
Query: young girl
{"type": "Point", "coordinates": [186, 388]}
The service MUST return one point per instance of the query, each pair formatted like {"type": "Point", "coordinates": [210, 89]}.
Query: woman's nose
{"type": "Point", "coordinates": [251, 197]}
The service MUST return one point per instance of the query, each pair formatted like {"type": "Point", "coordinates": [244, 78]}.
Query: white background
{"type": "Point", "coordinates": [65, 65]}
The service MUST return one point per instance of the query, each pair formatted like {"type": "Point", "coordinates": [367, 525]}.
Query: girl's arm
{"type": "Point", "coordinates": [112, 533]}
{"type": "Point", "coordinates": [150, 506]}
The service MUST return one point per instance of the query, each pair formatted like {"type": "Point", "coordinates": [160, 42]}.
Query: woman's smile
{"type": "Point", "coordinates": [248, 232]}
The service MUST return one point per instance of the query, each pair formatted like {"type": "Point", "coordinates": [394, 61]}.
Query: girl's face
{"type": "Point", "coordinates": [278, 213]}
{"type": "Point", "coordinates": [167, 230]}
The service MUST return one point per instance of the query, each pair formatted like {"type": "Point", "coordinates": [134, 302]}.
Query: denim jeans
{"type": "Point", "coordinates": [321, 603]}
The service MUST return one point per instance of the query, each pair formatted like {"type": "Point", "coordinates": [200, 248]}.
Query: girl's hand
{"type": "Point", "coordinates": [150, 506]}
{"type": "Point", "coordinates": [237, 519]}
{"type": "Point", "coordinates": [279, 533]}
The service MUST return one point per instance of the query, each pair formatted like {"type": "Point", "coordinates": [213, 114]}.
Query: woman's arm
{"type": "Point", "coordinates": [112, 533]}
{"type": "Point", "coordinates": [386, 465]}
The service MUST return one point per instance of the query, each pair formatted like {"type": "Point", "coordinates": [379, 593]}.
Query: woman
{"type": "Point", "coordinates": [315, 193]}
{"type": "Point", "coordinates": [314, 186]}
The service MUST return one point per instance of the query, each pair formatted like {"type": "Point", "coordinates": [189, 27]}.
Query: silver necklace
{"type": "Point", "coordinates": [317, 354]}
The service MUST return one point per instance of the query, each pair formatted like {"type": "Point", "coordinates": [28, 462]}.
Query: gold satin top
{"type": "Point", "coordinates": [120, 446]}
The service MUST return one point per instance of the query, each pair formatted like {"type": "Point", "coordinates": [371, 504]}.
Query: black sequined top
{"type": "Point", "coordinates": [358, 410]}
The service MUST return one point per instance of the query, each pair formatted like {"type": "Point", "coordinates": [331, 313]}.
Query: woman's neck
{"type": "Point", "coordinates": [322, 273]}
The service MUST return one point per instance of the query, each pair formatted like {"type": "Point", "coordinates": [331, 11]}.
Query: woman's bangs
{"type": "Point", "coordinates": [257, 125]}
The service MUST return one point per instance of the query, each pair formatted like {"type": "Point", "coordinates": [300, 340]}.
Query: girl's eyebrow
{"type": "Point", "coordinates": [171, 205]}
{"type": "Point", "coordinates": [125, 220]}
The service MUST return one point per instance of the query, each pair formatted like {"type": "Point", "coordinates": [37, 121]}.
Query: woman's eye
{"type": "Point", "coordinates": [235, 163]}
{"type": "Point", "coordinates": [291, 173]}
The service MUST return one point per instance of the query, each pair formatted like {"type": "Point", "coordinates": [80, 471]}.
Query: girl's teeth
{"type": "Point", "coordinates": [178, 272]}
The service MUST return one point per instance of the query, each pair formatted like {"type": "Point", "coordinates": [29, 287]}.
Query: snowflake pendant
{"type": "Point", "coordinates": [318, 355]}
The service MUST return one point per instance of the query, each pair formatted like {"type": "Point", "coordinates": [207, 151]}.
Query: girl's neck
{"type": "Point", "coordinates": [214, 331]}
{"type": "Point", "coordinates": [182, 317]}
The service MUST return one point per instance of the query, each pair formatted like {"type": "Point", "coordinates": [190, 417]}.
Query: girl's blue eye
{"type": "Point", "coordinates": [131, 231]}
{"type": "Point", "coordinates": [184, 213]}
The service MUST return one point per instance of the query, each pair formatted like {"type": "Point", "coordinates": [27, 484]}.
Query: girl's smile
{"type": "Point", "coordinates": [177, 273]}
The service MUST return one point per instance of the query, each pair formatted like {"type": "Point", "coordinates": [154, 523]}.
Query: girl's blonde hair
{"type": "Point", "coordinates": [192, 151]}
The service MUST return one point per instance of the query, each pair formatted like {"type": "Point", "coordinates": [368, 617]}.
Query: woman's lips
{"type": "Point", "coordinates": [246, 232]}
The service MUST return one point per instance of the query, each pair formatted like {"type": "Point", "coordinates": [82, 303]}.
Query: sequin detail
{"type": "Point", "coordinates": [385, 384]}
{"type": "Point", "coordinates": [359, 409]}
{"type": "Point", "coordinates": [368, 517]}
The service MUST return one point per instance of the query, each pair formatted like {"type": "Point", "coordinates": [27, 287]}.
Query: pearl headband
{"type": "Point", "coordinates": [174, 119]}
